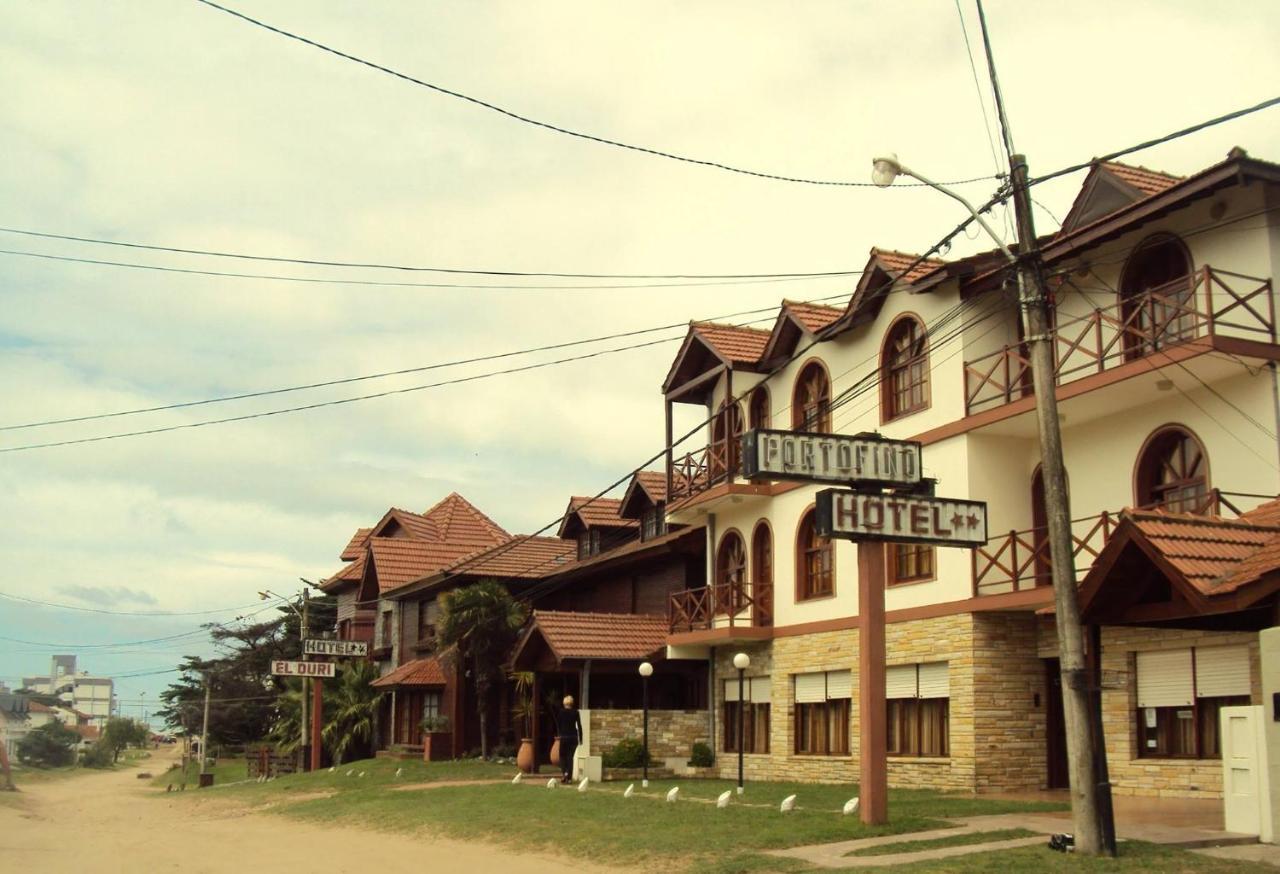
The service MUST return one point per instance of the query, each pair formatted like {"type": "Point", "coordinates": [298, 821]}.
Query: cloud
{"type": "Point", "coordinates": [107, 596]}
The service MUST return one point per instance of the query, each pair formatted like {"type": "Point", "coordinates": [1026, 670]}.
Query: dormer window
{"type": "Point", "coordinates": [904, 366]}
{"type": "Point", "coordinates": [653, 521]}
{"type": "Point", "coordinates": [758, 414]}
{"type": "Point", "coordinates": [588, 543]}
{"type": "Point", "coordinates": [811, 401]}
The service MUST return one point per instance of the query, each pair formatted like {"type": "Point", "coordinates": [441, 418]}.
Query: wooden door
{"type": "Point", "coordinates": [1055, 728]}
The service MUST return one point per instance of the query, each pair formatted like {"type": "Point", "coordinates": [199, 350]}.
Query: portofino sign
{"type": "Point", "coordinates": [863, 459]}
{"type": "Point", "coordinates": [854, 515]}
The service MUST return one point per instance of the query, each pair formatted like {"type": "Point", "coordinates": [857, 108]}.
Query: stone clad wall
{"type": "Point", "coordinates": [672, 733]}
{"type": "Point", "coordinates": [1009, 726]}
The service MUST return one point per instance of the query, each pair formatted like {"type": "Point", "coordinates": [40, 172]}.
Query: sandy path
{"type": "Point", "coordinates": [113, 822]}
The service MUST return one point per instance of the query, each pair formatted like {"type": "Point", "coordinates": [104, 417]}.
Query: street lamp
{"type": "Point", "coordinates": [741, 661]}
{"type": "Point", "coordinates": [646, 671]}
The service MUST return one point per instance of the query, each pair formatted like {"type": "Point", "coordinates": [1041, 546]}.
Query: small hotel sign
{"type": "Point", "coordinates": [335, 647]}
{"type": "Point", "coordinates": [902, 519]}
{"type": "Point", "coordinates": [835, 458]}
{"type": "Point", "coordinates": [283, 668]}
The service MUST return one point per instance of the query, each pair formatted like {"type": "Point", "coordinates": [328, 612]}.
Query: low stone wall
{"type": "Point", "coordinates": [672, 733]}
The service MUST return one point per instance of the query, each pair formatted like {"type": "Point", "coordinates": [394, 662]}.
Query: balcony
{"type": "Point", "coordinates": [1019, 560]}
{"type": "Point", "coordinates": [1203, 305]}
{"type": "Point", "coordinates": [697, 471]}
{"type": "Point", "coordinates": [722, 606]}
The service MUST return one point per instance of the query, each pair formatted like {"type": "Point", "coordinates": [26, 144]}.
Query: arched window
{"type": "Point", "coordinates": [758, 415]}
{"type": "Point", "coordinates": [811, 402]}
{"type": "Point", "coordinates": [1173, 472]}
{"type": "Point", "coordinates": [1157, 302]}
{"type": "Point", "coordinates": [904, 369]}
{"type": "Point", "coordinates": [762, 574]}
{"type": "Point", "coordinates": [815, 558]}
{"type": "Point", "coordinates": [726, 440]}
{"type": "Point", "coordinates": [731, 572]}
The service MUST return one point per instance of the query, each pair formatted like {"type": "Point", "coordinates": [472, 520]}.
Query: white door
{"type": "Point", "coordinates": [1241, 729]}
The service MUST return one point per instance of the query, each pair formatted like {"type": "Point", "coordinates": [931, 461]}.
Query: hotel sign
{"type": "Point", "coordinates": [900, 518]}
{"type": "Point", "coordinates": [864, 459]}
{"type": "Point", "coordinates": [284, 668]}
{"type": "Point", "coordinates": [335, 647]}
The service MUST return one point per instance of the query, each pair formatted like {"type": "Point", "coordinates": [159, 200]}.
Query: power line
{"type": "Point", "coordinates": [201, 630]}
{"type": "Point", "coordinates": [383, 374]}
{"type": "Point", "coordinates": [121, 612]}
{"type": "Point", "coordinates": [1230, 116]}
{"type": "Point", "coordinates": [977, 87]}
{"type": "Point", "coordinates": [320, 280]}
{"type": "Point", "coordinates": [542, 124]}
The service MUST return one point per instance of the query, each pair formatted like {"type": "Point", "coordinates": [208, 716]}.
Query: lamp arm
{"type": "Point", "coordinates": [967, 205]}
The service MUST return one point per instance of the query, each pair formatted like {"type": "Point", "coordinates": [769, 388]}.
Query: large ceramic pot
{"type": "Point", "coordinates": [524, 758]}
{"type": "Point", "coordinates": [555, 753]}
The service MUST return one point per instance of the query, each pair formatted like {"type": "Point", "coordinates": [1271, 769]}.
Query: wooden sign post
{"type": "Point", "coordinates": [873, 743]}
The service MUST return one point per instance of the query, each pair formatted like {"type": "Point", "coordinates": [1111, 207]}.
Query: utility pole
{"type": "Point", "coordinates": [204, 731]}
{"type": "Point", "coordinates": [1086, 754]}
{"type": "Point", "coordinates": [303, 628]}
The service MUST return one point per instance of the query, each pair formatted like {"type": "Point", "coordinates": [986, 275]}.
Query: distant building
{"type": "Point", "coordinates": [80, 691]}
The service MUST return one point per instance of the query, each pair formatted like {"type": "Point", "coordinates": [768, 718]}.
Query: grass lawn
{"type": "Point", "coordinates": [642, 832]}
{"type": "Point", "coordinates": [26, 776]}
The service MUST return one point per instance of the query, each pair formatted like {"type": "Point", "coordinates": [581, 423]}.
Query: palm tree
{"type": "Point", "coordinates": [286, 728]}
{"type": "Point", "coordinates": [350, 708]}
{"type": "Point", "coordinates": [480, 622]}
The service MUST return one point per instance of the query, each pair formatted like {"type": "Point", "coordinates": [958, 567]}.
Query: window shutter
{"type": "Point", "coordinates": [811, 688]}
{"type": "Point", "coordinates": [900, 681]}
{"type": "Point", "coordinates": [935, 680]}
{"type": "Point", "coordinates": [839, 684]}
{"type": "Point", "coordinates": [731, 689]}
{"type": "Point", "coordinates": [1222, 670]}
{"type": "Point", "coordinates": [1164, 678]}
{"type": "Point", "coordinates": [760, 690]}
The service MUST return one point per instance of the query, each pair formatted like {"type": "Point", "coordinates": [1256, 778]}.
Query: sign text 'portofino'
{"type": "Point", "coordinates": [836, 458]}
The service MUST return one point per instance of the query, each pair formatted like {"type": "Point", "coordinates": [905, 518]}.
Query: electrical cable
{"type": "Point", "coordinates": [542, 124]}
{"type": "Point", "coordinates": [12, 597]}
{"type": "Point", "coordinates": [1230, 116]}
{"type": "Point", "coordinates": [204, 629]}
{"type": "Point", "coordinates": [314, 280]}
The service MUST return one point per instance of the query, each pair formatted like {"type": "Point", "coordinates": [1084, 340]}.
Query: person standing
{"type": "Point", "coordinates": [569, 731]}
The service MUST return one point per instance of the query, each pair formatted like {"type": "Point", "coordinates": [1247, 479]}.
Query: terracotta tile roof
{"type": "Point", "coordinates": [1263, 514]}
{"type": "Point", "coordinates": [600, 512]}
{"type": "Point", "coordinates": [737, 345]}
{"type": "Point", "coordinates": [897, 262]}
{"type": "Point", "coordinates": [86, 732]}
{"type": "Point", "coordinates": [814, 317]}
{"type": "Point", "coordinates": [1149, 182]}
{"type": "Point", "coordinates": [601, 635]}
{"type": "Point", "coordinates": [526, 558]}
{"type": "Point", "coordinates": [418, 527]}
{"type": "Point", "coordinates": [401, 560]}
{"type": "Point", "coordinates": [355, 548]}
{"type": "Point", "coordinates": [419, 672]}
{"type": "Point", "coordinates": [352, 573]}
{"type": "Point", "coordinates": [654, 482]}
{"type": "Point", "coordinates": [456, 520]}
{"type": "Point", "coordinates": [37, 707]}
{"type": "Point", "coordinates": [1208, 551]}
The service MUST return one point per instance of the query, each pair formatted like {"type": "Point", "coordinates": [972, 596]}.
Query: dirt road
{"type": "Point", "coordinates": [114, 822]}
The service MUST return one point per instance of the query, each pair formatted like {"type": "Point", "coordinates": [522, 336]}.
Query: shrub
{"type": "Point", "coordinates": [628, 753]}
{"type": "Point", "coordinates": [504, 751]}
{"type": "Point", "coordinates": [100, 755]}
{"type": "Point", "coordinates": [434, 724]}
{"type": "Point", "coordinates": [702, 756]}
{"type": "Point", "coordinates": [49, 746]}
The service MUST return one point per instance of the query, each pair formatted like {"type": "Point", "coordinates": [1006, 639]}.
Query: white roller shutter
{"type": "Point", "coordinates": [935, 680]}
{"type": "Point", "coordinates": [731, 690]}
{"type": "Point", "coordinates": [811, 688]}
{"type": "Point", "coordinates": [839, 684]}
{"type": "Point", "coordinates": [1221, 671]}
{"type": "Point", "coordinates": [760, 690]}
{"type": "Point", "coordinates": [1164, 678]}
{"type": "Point", "coordinates": [900, 681]}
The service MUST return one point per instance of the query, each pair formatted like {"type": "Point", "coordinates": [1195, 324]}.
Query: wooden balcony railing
{"type": "Point", "coordinates": [721, 606]}
{"type": "Point", "coordinates": [1188, 308]}
{"type": "Point", "coordinates": [697, 471]}
{"type": "Point", "coordinates": [1020, 559]}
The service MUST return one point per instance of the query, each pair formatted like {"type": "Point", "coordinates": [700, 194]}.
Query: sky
{"type": "Point", "coordinates": [173, 123]}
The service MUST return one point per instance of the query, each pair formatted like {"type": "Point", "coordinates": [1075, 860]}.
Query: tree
{"type": "Point", "coordinates": [52, 745]}
{"type": "Point", "coordinates": [120, 733]}
{"type": "Point", "coordinates": [479, 623]}
{"type": "Point", "coordinates": [351, 706]}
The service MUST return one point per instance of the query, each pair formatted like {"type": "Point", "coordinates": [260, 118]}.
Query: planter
{"type": "Point", "coordinates": [524, 758]}
{"type": "Point", "coordinates": [206, 780]}
{"type": "Point", "coordinates": [555, 753]}
{"type": "Point", "coordinates": [437, 746]}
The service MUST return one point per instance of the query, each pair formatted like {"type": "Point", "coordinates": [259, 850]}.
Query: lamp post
{"type": "Point", "coordinates": [646, 671]}
{"type": "Point", "coordinates": [1086, 755]}
{"type": "Point", "coordinates": [741, 661]}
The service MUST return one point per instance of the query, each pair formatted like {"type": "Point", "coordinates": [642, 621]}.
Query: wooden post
{"type": "Point", "coordinates": [872, 715]}
{"type": "Point", "coordinates": [317, 712]}
{"type": "Point", "coordinates": [537, 721]}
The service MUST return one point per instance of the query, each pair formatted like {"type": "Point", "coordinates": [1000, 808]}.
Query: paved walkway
{"type": "Point", "coordinates": [836, 855]}
{"type": "Point", "coordinates": [1268, 854]}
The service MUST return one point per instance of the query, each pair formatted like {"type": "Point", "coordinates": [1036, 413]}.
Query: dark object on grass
{"type": "Point", "coordinates": [1062, 843]}
{"type": "Point", "coordinates": [144, 776]}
